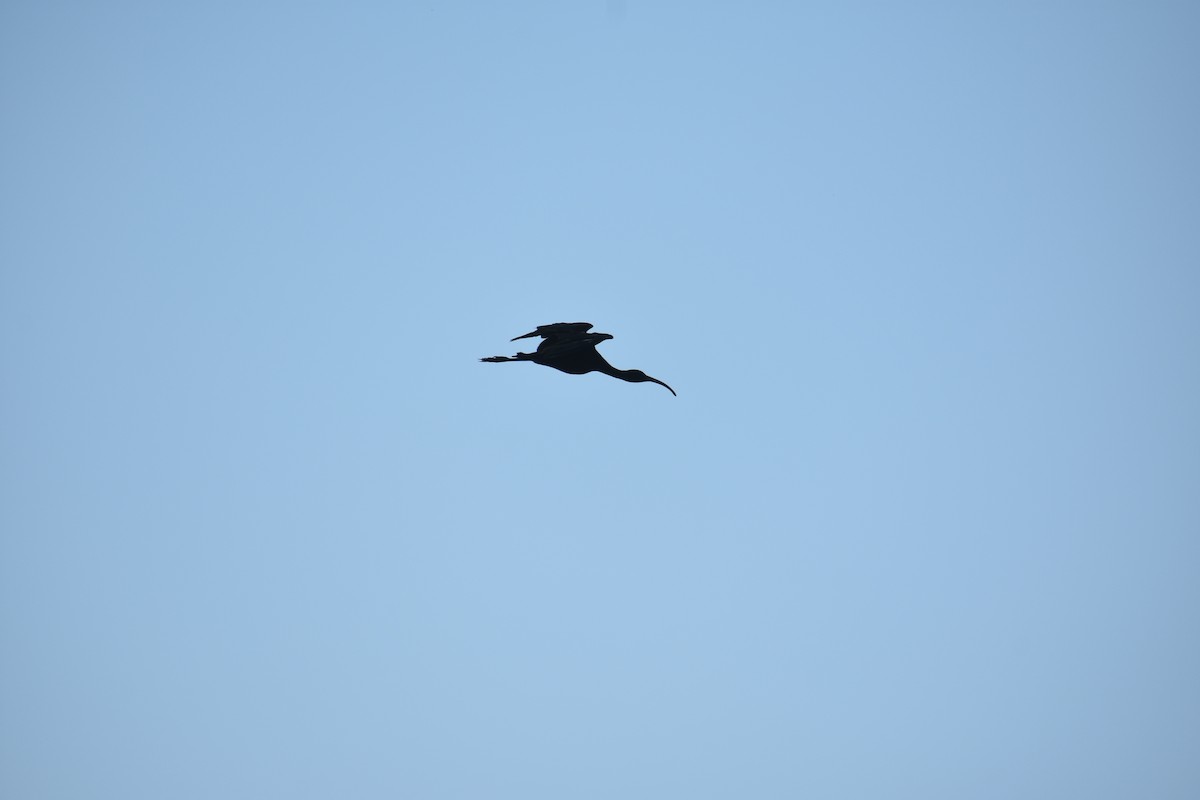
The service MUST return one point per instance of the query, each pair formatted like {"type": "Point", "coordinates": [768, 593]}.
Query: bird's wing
{"type": "Point", "coordinates": [558, 331]}
{"type": "Point", "coordinates": [576, 355]}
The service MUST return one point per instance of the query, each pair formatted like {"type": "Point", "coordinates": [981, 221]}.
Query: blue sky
{"type": "Point", "coordinates": [922, 521]}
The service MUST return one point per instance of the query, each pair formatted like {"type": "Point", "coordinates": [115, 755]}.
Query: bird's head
{"type": "Point", "coordinates": [637, 376]}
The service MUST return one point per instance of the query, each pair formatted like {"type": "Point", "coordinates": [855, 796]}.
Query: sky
{"type": "Point", "coordinates": [923, 521]}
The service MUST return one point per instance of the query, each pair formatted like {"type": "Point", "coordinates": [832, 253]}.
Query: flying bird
{"type": "Point", "coordinates": [567, 346]}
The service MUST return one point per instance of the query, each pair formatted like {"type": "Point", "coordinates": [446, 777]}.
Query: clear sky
{"type": "Point", "coordinates": [923, 521]}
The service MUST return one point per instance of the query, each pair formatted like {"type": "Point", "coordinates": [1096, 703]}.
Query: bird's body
{"type": "Point", "coordinates": [568, 347]}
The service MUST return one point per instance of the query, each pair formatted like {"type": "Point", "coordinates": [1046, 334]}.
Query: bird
{"type": "Point", "coordinates": [568, 347]}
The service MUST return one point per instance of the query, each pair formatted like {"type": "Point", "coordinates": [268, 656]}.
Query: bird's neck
{"type": "Point", "coordinates": [624, 374]}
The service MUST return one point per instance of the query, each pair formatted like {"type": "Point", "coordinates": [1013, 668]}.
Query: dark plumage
{"type": "Point", "coordinates": [567, 346]}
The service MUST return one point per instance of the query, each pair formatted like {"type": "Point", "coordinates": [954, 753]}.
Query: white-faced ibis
{"type": "Point", "coordinates": [567, 346]}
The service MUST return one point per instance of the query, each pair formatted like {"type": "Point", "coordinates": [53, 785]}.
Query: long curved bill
{"type": "Point", "coordinates": [660, 383]}
{"type": "Point", "coordinates": [524, 336]}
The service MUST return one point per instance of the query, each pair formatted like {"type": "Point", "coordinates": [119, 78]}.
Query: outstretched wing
{"type": "Point", "coordinates": [576, 355]}
{"type": "Point", "coordinates": [558, 331]}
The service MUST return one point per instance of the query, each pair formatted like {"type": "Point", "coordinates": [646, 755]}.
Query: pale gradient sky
{"type": "Point", "coordinates": [923, 522]}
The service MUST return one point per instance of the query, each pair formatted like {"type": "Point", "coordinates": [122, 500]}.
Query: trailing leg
{"type": "Point", "coordinates": [517, 357]}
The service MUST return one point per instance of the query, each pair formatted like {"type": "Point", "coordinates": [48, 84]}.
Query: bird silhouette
{"type": "Point", "coordinates": [568, 347]}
